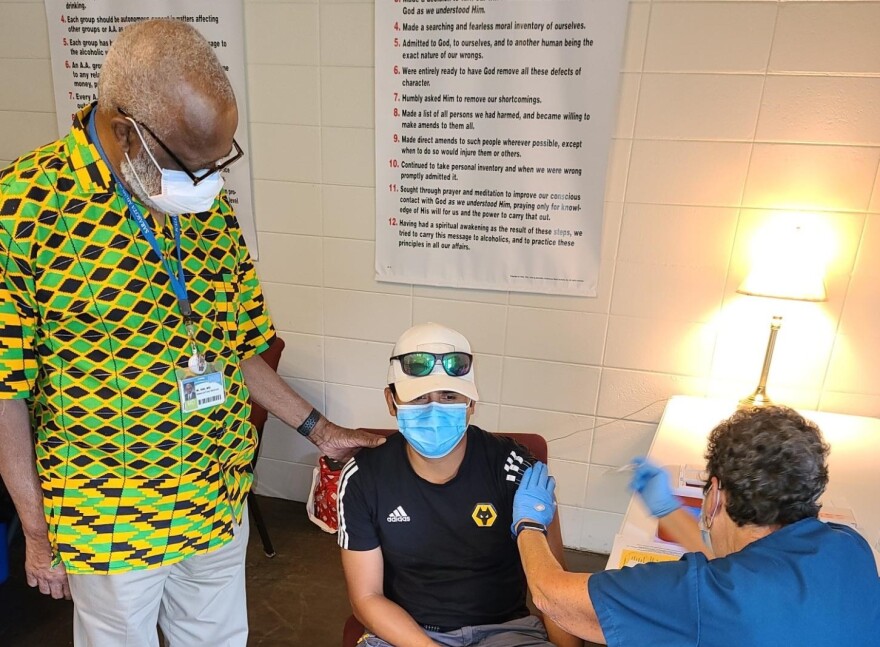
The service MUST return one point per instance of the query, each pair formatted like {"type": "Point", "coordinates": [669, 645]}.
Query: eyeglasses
{"type": "Point", "coordinates": [421, 363]}
{"type": "Point", "coordinates": [195, 177]}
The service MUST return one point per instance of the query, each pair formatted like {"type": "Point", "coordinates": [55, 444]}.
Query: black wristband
{"type": "Point", "coordinates": [309, 423]}
{"type": "Point", "coordinates": [530, 525]}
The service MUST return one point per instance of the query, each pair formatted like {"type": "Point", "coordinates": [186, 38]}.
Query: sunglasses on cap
{"type": "Point", "coordinates": [421, 363]}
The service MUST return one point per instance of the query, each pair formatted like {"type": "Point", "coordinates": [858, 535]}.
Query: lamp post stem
{"type": "Point", "coordinates": [760, 398]}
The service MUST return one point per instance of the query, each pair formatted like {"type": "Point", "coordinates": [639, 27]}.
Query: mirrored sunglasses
{"type": "Point", "coordinates": [420, 363]}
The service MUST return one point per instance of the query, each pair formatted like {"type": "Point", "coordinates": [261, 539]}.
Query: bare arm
{"type": "Point", "coordinates": [18, 468]}
{"type": "Point", "coordinates": [560, 595]}
{"type": "Point", "coordinates": [273, 394]}
{"type": "Point", "coordinates": [557, 635]}
{"type": "Point", "coordinates": [684, 531]}
{"type": "Point", "coordinates": [364, 576]}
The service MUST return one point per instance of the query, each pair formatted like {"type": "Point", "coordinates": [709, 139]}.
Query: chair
{"type": "Point", "coordinates": [535, 443]}
{"type": "Point", "coordinates": [258, 417]}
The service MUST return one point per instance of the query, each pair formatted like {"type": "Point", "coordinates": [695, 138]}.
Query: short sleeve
{"type": "Point", "coordinates": [18, 361]}
{"type": "Point", "coordinates": [254, 330]}
{"type": "Point", "coordinates": [357, 528]}
{"type": "Point", "coordinates": [649, 604]}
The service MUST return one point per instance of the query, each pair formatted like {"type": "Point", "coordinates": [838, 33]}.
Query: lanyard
{"type": "Point", "coordinates": [177, 279]}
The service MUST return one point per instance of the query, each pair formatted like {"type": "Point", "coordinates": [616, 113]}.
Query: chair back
{"type": "Point", "coordinates": [537, 446]}
{"type": "Point", "coordinates": [258, 417]}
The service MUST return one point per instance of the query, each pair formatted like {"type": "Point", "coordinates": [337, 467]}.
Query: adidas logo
{"type": "Point", "coordinates": [515, 466]}
{"type": "Point", "coordinates": [398, 515]}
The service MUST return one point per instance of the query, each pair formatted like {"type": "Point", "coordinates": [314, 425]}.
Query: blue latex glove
{"type": "Point", "coordinates": [652, 484]}
{"type": "Point", "coordinates": [534, 499]}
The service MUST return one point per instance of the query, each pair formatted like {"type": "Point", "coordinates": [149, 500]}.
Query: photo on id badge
{"type": "Point", "coordinates": [200, 391]}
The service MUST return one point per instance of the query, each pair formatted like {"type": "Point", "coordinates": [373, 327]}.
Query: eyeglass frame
{"type": "Point", "coordinates": [437, 356]}
{"type": "Point", "coordinates": [196, 179]}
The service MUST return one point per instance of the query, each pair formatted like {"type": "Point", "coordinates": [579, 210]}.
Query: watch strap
{"type": "Point", "coordinates": [309, 423]}
{"type": "Point", "coordinates": [530, 525]}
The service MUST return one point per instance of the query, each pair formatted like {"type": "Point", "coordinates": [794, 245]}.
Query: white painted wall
{"type": "Point", "coordinates": [730, 114]}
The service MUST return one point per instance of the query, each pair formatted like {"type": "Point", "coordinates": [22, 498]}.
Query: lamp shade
{"type": "Point", "coordinates": [784, 285]}
{"type": "Point", "coordinates": [786, 267]}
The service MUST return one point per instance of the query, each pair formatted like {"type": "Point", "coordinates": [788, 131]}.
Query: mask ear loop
{"type": "Point", "coordinates": [708, 522]}
{"type": "Point", "coordinates": [136, 175]}
{"type": "Point", "coordinates": [144, 142]}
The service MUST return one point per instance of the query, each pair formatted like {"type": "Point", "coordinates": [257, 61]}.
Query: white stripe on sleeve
{"type": "Point", "coordinates": [347, 472]}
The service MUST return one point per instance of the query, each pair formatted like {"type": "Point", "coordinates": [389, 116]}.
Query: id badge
{"type": "Point", "coordinates": [201, 391]}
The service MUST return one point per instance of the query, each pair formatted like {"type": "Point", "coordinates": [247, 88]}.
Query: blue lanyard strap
{"type": "Point", "coordinates": [178, 280]}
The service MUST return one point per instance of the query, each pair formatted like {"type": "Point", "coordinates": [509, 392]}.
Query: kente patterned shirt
{"type": "Point", "coordinates": [91, 335]}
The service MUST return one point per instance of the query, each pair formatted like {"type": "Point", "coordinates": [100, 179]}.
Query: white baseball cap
{"type": "Point", "coordinates": [430, 338]}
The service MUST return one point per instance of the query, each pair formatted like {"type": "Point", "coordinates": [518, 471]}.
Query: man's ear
{"type": "Point", "coordinates": [389, 400]}
{"type": "Point", "coordinates": [124, 135]}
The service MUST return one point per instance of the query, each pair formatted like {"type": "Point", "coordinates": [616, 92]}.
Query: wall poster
{"type": "Point", "coordinates": [493, 127]}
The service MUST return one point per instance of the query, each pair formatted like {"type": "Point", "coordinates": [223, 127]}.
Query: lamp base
{"type": "Point", "coordinates": [760, 398]}
{"type": "Point", "coordinates": [756, 399]}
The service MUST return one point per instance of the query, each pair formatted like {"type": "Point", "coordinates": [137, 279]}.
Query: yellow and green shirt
{"type": "Point", "coordinates": [91, 334]}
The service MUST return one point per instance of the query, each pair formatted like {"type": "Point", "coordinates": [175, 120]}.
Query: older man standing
{"type": "Point", "coordinates": [125, 288]}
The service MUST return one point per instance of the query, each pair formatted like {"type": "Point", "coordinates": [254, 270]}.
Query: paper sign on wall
{"type": "Point", "coordinates": [493, 127]}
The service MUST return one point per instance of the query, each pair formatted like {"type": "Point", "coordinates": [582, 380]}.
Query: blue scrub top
{"type": "Point", "coordinates": [808, 583]}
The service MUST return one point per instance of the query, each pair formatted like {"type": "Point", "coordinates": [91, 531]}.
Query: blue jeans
{"type": "Point", "coordinates": [525, 632]}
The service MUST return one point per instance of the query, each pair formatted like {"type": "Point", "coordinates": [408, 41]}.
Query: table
{"type": "Point", "coordinates": [853, 464]}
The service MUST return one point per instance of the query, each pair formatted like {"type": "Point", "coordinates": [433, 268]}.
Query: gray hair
{"type": "Point", "coordinates": [772, 462]}
{"type": "Point", "coordinates": [145, 63]}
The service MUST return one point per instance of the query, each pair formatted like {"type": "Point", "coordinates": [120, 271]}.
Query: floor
{"type": "Point", "coordinates": [296, 598]}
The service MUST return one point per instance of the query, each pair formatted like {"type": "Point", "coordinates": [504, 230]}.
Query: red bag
{"type": "Point", "coordinates": [321, 506]}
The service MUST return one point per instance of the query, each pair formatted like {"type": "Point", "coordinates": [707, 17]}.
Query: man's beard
{"type": "Point", "coordinates": [142, 178]}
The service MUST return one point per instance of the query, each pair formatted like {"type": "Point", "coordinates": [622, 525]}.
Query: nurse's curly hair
{"type": "Point", "coordinates": [772, 464]}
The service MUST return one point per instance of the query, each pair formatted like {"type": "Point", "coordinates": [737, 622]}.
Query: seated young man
{"type": "Point", "coordinates": [425, 519]}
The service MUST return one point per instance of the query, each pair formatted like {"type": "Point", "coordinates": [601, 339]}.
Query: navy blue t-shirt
{"type": "Point", "coordinates": [807, 584]}
{"type": "Point", "coordinates": [449, 558]}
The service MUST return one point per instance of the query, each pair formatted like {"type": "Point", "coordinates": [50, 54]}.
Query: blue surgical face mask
{"type": "Point", "coordinates": [706, 524]}
{"type": "Point", "coordinates": [707, 537]}
{"type": "Point", "coordinates": [432, 429]}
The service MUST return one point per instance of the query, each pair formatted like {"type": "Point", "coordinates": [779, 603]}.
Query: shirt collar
{"type": "Point", "coordinates": [91, 171]}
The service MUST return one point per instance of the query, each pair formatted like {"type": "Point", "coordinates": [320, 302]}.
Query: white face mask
{"type": "Point", "coordinates": [178, 194]}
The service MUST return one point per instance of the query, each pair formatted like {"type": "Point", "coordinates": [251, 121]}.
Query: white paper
{"type": "Point", "coordinates": [493, 127]}
{"type": "Point", "coordinates": [627, 552]}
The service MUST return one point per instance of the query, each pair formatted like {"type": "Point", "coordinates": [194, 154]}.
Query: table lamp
{"type": "Point", "coordinates": [787, 269]}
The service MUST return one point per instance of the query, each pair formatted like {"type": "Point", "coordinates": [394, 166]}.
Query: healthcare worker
{"type": "Point", "coordinates": [769, 572]}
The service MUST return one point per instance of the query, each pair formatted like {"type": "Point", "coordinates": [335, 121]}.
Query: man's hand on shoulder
{"type": "Point", "coordinates": [42, 571]}
{"type": "Point", "coordinates": [341, 443]}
